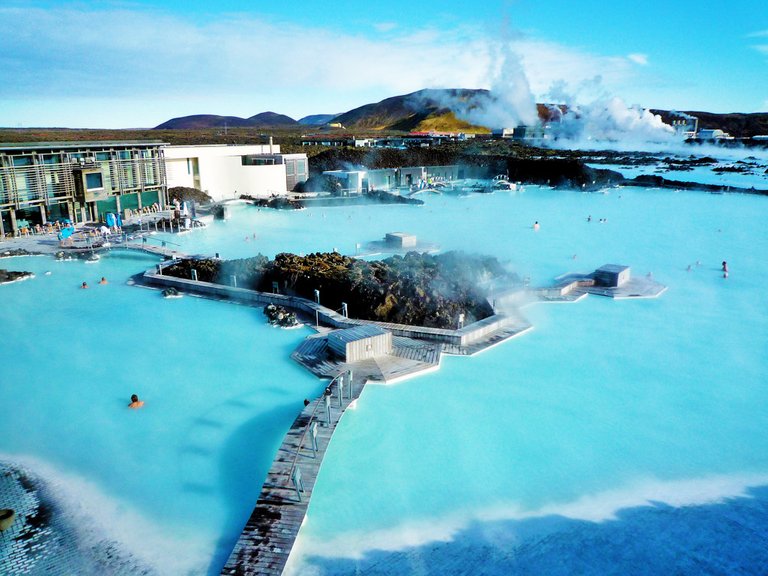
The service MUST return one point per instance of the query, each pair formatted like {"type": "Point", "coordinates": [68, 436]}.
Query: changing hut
{"type": "Point", "coordinates": [400, 240]}
{"type": "Point", "coordinates": [611, 275]}
{"type": "Point", "coordinates": [360, 342]}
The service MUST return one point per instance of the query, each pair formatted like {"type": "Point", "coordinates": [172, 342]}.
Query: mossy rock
{"type": "Point", "coordinates": [7, 516]}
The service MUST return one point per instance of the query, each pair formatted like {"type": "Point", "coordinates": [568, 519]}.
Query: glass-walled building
{"type": "Point", "coordinates": [82, 181]}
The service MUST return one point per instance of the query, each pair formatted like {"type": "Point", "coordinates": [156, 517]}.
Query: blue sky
{"type": "Point", "coordinates": [138, 63]}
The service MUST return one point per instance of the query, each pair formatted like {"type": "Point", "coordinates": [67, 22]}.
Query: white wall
{"type": "Point", "coordinates": [178, 174]}
{"type": "Point", "coordinates": [225, 178]}
{"type": "Point", "coordinates": [222, 174]}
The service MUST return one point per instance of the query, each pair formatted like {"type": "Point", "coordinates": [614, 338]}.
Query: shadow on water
{"type": "Point", "coordinates": [242, 471]}
{"type": "Point", "coordinates": [730, 537]}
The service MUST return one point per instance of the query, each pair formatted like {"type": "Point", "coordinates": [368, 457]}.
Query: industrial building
{"type": "Point", "coordinates": [358, 181]}
{"type": "Point", "coordinates": [44, 182]}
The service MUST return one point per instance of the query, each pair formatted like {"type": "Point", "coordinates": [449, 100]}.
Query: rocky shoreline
{"type": "Point", "coordinates": [10, 276]}
{"type": "Point", "coordinates": [14, 252]}
{"type": "Point", "coordinates": [440, 291]}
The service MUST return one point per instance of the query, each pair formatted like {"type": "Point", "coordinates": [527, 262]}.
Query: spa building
{"type": "Point", "coordinates": [44, 182]}
{"type": "Point", "coordinates": [81, 181]}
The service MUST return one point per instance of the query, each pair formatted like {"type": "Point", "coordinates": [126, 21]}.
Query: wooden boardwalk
{"type": "Point", "coordinates": [163, 251]}
{"type": "Point", "coordinates": [269, 534]}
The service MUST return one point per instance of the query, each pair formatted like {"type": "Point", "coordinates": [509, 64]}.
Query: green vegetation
{"type": "Point", "coordinates": [416, 289]}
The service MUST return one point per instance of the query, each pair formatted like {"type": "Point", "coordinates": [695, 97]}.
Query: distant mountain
{"type": "Point", "coordinates": [434, 110]}
{"type": "Point", "coordinates": [407, 112]}
{"type": "Point", "coordinates": [317, 119]}
{"type": "Point", "coordinates": [272, 119]}
{"type": "Point", "coordinates": [203, 121]}
{"type": "Point", "coordinates": [197, 121]}
{"type": "Point", "coordinates": [423, 111]}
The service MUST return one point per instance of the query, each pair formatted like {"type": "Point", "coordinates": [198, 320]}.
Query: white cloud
{"type": "Point", "coordinates": [385, 26]}
{"type": "Point", "coordinates": [239, 60]}
{"type": "Point", "coordinates": [641, 59]}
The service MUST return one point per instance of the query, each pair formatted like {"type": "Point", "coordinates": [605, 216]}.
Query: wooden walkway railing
{"type": "Point", "coordinates": [268, 537]}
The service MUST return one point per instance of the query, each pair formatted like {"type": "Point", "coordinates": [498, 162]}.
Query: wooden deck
{"type": "Point", "coordinates": [164, 251]}
{"type": "Point", "coordinates": [408, 358]}
{"type": "Point", "coordinates": [269, 534]}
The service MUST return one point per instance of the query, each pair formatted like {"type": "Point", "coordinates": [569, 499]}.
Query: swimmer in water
{"type": "Point", "coordinates": [536, 225]}
{"type": "Point", "coordinates": [84, 285]}
{"type": "Point", "coordinates": [135, 402]}
{"type": "Point", "coordinates": [103, 280]}
{"type": "Point", "coordinates": [725, 266]}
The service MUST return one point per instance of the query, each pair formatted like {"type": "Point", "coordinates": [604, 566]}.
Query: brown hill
{"type": "Point", "coordinates": [197, 121]}
{"type": "Point", "coordinates": [409, 111]}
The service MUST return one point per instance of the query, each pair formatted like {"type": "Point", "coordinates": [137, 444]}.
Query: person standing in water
{"type": "Point", "coordinates": [135, 402]}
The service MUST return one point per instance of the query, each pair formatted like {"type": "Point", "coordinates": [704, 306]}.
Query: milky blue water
{"type": "Point", "coordinates": [174, 482]}
{"type": "Point", "coordinates": [606, 404]}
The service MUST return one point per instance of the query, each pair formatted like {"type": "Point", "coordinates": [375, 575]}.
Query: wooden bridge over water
{"type": "Point", "coordinates": [268, 537]}
{"type": "Point", "coordinates": [163, 250]}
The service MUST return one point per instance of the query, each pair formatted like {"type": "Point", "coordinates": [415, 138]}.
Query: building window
{"type": "Point", "coordinates": [94, 181]}
{"type": "Point", "coordinates": [22, 161]}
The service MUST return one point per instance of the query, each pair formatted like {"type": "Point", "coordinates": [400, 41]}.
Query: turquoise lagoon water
{"type": "Point", "coordinates": [604, 406]}
{"type": "Point", "coordinates": [173, 483]}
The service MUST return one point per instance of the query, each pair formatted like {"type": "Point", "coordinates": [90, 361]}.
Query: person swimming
{"type": "Point", "coordinates": [103, 280]}
{"type": "Point", "coordinates": [84, 285]}
{"type": "Point", "coordinates": [135, 402]}
{"type": "Point", "coordinates": [725, 266]}
{"type": "Point", "coordinates": [536, 225]}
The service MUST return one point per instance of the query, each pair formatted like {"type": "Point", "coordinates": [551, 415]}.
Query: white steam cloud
{"type": "Point", "coordinates": [510, 101]}
{"type": "Point", "coordinates": [602, 118]}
